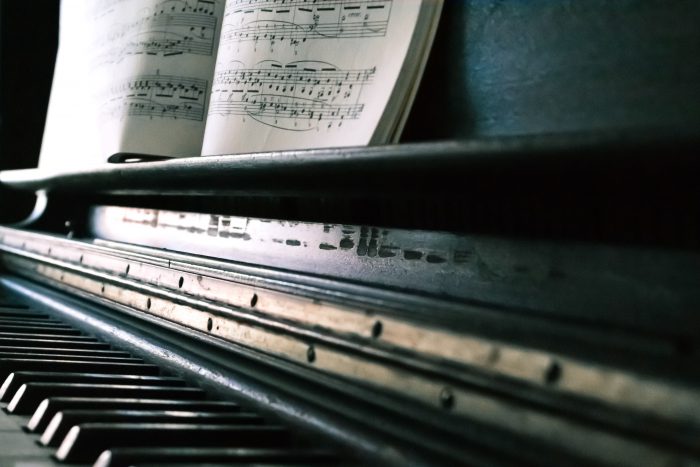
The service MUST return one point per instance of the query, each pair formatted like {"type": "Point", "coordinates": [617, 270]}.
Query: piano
{"type": "Point", "coordinates": [515, 283]}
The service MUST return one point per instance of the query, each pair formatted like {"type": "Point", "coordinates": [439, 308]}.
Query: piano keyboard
{"type": "Point", "coordinates": [72, 399]}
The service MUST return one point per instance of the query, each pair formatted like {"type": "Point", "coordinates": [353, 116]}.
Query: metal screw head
{"type": "Point", "coordinates": [553, 373]}
{"type": "Point", "coordinates": [447, 398]}
{"type": "Point", "coordinates": [377, 329]}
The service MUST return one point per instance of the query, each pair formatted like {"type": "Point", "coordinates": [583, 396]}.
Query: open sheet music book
{"type": "Point", "coordinates": [190, 77]}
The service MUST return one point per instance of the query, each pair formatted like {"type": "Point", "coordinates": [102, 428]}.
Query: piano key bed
{"type": "Point", "coordinates": [72, 399]}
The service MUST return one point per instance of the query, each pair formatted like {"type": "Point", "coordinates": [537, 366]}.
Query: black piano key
{"type": "Point", "coordinates": [125, 457]}
{"type": "Point", "coordinates": [242, 463]}
{"type": "Point", "coordinates": [29, 395]}
{"type": "Point", "coordinates": [10, 302]}
{"type": "Point", "coordinates": [40, 330]}
{"type": "Point", "coordinates": [8, 366]}
{"type": "Point", "coordinates": [59, 356]}
{"type": "Point", "coordinates": [215, 464]}
{"type": "Point", "coordinates": [31, 321]}
{"type": "Point", "coordinates": [66, 343]}
{"type": "Point", "coordinates": [21, 313]}
{"type": "Point", "coordinates": [13, 382]}
{"type": "Point", "coordinates": [85, 442]}
{"type": "Point", "coordinates": [63, 351]}
{"type": "Point", "coordinates": [41, 335]}
{"type": "Point", "coordinates": [63, 421]}
{"type": "Point", "coordinates": [51, 406]}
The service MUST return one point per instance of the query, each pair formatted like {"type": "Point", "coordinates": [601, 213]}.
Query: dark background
{"type": "Point", "coordinates": [28, 42]}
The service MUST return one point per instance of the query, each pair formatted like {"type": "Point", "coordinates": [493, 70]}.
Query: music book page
{"type": "Point", "coordinates": [305, 74]}
{"type": "Point", "coordinates": [190, 77]}
{"type": "Point", "coordinates": [131, 76]}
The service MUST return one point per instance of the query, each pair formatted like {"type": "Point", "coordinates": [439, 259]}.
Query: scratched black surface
{"type": "Point", "coordinates": [28, 42]}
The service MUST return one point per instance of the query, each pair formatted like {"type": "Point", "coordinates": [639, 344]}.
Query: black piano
{"type": "Point", "coordinates": [515, 283]}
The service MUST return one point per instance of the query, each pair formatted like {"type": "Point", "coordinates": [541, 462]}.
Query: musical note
{"type": "Point", "coordinates": [297, 21]}
{"type": "Point", "coordinates": [298, 96]}
{"type": "Point", "coordinates": [172, 27]}
{"type": "Point", "coordinates": [158, 96]}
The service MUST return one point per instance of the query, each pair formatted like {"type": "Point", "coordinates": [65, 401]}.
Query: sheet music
{"type": "Point", "coordinates": [131, 76]}
{"type": "Point", "coordinates": [295, 97]}
{"type": "Point", "coordinates": [146, 76]}
{"type": "Point", "coordinates": [305, 73]}
{"type": "Point", "coordinates": [157, 96]}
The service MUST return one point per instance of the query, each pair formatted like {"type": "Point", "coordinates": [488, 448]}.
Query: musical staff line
{"type": "Point", "coordinates": [297, 21]}
{"type": "Point", "coordinates": [158, 96]}
{"type": "Point", "coordinates": [298, 96]}
{"type": "Point", "coordinates": [291, 75]}
{"type": "Point", "coordinates": [266, 106]}
{"type": "Point", "coordinates": [252, 5]}
{"type": "Point", "coordinates": [175, 27]}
